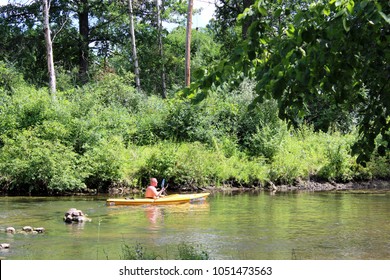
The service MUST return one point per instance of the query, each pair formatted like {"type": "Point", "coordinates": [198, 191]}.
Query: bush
{"type": "Point", "coordinates": [10, 79]}
{"type": "Point", "coordinates": [261, 132]}
{"type": "Point", "coordinates": [115, 90]}
{"type": "Point", "coordinates": [301, 155]}
{"type": "Point", "coordinates": [338, 159]}
{"type": "Point", "coordinates": [187, 122]}
{"type": "Point", "coordinates": [30, 107]}
{"type": "Point", "coordinates": [29, 164]}
{"type": "Point", "coordinates": [104, 163]}
{"type": "Point", "coordinates": [149, 122]}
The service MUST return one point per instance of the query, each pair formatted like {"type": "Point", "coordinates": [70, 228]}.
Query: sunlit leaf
{"type": "Point", "coordinates": [385, 17]}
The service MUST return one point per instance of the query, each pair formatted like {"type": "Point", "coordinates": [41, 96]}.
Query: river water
{"type": "Point", "coordinates": [246, 226]}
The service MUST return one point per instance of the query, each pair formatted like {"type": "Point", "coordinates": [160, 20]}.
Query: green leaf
{"type": "Point", "coordinates": [350, 6]}
{"type": "Point", "coordinates": [385, 17]}
{"type": "Point", "coordinates": [327, 69]}
{"type": "Point", "coordinates": [291, 31]}
{"type": "Point", "coordinates": [326, 11]}
{"type": "Point", "coordinates": [346, 27]}
{"type": "Point", "coordinates": [262, 10]}
{"type": "Point", "coordinates": [277, 13]}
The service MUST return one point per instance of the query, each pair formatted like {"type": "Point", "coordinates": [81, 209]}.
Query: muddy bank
{"type": "Point", "coordinates": [315, 186]}
{"type": "Point", "coordinates": [335, 186]}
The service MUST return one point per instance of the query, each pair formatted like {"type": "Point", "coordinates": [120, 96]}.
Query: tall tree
{"type": "Point", "coordinates": [226, 27]}
{"type": "Point", "coordinates": [49, 49]}
{"type": "Point", "coordinates": [83, 17]}
{"type": "Point", "coordinates": [134, 46]}
{"type": "Point", "coordinates": [188, 43]}
{"type": "Point", "coordinates": [161, 50]}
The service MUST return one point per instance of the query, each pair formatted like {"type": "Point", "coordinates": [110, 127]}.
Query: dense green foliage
{"type": "Point", "coordinates": [107, 134]}
{"type": "Point", "coordinates": [326, 62]}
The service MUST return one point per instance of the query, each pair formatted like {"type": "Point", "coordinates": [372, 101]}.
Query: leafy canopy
{"type": "Point", "coordinates": [311, 52]}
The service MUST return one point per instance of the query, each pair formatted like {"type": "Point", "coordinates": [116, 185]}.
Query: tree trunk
{"type": "Point", "coordinates": [188, 43]}
{"type": "Point", "coordinates": [49, 49]}
{"type": "Point", "coordinates": [135, 58]}
{"type": "Point", "coordinates": [83, 14]}
{"type": "Point", "coordinates": [161, 51]}
{"type": "Point", "coordinates": [247, 23]}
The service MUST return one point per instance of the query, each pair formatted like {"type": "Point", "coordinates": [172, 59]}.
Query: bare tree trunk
{"type": "Point", "coordinates": [49, 49]}
{"type": "Point", "coordinates": [188, 43]}
{"type": "Point", "coordinates": [161, 50]}
{"type": "Point", "coordinates": [83, 15]}
{"type": "Point", "coordinates": [135, 58]}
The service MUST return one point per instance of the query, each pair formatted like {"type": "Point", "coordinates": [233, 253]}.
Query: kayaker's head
{"type": "Point", "coordinates": [153, 182]}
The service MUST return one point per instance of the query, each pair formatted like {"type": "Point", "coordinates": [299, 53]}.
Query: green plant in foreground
{"type": "Point", "coordinates": [185, 252]}
{"type": "Point", "coordinates": [137, 252]}
{"type": "Point", "coordinates": [190, 252]}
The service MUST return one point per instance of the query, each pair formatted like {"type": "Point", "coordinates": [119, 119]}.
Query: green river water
{"type": "Point", "coordinates": [247, 226]}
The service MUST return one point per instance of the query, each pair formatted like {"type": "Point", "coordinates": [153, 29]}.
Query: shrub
{"type": "Point", "coordinates": [187, 122]}
{"type": "Point", "coordinates": [30, 107]}
{"type": "Point", "coordinates": [301, 155]}
{"type": "Point", "coordinates": [10, 79]}
{"type": "Point", "coordinates": [34, 165]}
{"type": "Point", "coordinates": [149, 122]}
{"type": "Point", "coordinates": [338, 159]}
{"type": "Point", "coordinates": [114, 90]}
{"type": "Point", "coordinates": [104, 163]}
{"type": "Point", "coordinates": [260, 131]}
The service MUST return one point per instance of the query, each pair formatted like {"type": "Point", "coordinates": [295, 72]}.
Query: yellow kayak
{"type": "Point", "coordinates": [169, 199]}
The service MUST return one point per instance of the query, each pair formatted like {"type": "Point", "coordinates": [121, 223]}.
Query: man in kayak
{"type": "Point", "coordinates": [151, 191]}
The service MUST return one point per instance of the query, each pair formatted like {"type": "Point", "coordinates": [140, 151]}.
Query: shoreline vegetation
{"type": "Point", "coordinates": [106, 136]}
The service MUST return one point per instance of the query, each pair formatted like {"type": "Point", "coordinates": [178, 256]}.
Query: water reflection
{"type": "Point", "coordinates": [154, 214]}
{"type": "Point", "coordinates": [157, 213]}
{"type": "Point", "coordinates": [74, 228]}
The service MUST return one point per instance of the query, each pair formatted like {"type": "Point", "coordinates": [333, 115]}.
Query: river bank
{"type": "Point", "coordinates": [335, 186]}
{"type": "Point", "coordinates": [299, 185]}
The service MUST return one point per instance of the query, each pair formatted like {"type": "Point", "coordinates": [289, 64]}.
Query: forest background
{"type": "Point", "coordinates": [281, 92]}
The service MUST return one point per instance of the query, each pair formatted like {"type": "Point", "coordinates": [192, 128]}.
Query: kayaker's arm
{"type": "Point", "coordinates": [162, 189]}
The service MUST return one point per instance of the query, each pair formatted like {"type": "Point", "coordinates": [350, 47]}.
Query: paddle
{"type": "Point", "coordinates": [162, 187]}
{"type": "Point", "coordinates": [162, 183]}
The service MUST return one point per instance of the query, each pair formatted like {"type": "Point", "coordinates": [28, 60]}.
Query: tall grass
{"type": "Point", "coordinates": [184, 251]}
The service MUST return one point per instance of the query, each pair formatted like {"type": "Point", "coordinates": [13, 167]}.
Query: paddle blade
{"type": "Point", "coordinates": [162, 183]}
